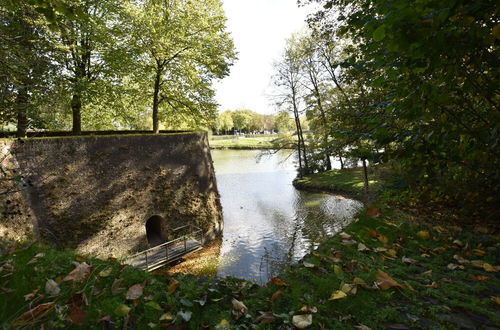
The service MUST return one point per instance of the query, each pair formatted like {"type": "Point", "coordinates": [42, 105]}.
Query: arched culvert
{"type": "Point", "coordinates": [156, 229]}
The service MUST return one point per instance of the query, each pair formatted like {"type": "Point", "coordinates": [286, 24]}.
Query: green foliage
{"type": "Point", "coordinates": [416, 83]}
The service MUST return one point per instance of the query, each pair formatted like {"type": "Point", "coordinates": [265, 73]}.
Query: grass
{"type": "Point", "coordinates": [349, 181]}
{"type": "Point", "coordinates": [241, 142]}
{"type": "Point", "coordinates": [430, 293]}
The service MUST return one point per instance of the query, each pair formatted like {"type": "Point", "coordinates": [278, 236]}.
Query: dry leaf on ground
{"type": "Point", "coordinates": [276, 295]}
{"type": "Point", "coordinates": [135, 291]}
{"type": "Point", "coordinates": [239, 306]}
{"type": "Point", "coordinates": [337, 295]}
{"type": "Point", "coordinates": [52, 288]}
{"type": "Point", "coordinates": [278, 281]}
{"type": "Point", "coordinates": [385, 282]}
{"type": "Point", "coordinates": [302, 321]}
{"type": "Point", "coordinates": [33, 314]}
{"type": "Point", "coordinates": [172, 286]}
{"type": "Point", "coordinates": [79, 274]}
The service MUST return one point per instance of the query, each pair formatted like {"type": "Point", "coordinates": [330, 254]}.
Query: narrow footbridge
{"type": "Point", "coordinates": [190, 239]}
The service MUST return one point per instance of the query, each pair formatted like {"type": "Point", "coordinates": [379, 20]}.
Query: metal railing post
{"type": "Point", "coordinates": [185, 248]}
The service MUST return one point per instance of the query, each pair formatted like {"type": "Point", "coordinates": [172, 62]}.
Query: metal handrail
{"type": "Point", "coordinates": [166, 244]}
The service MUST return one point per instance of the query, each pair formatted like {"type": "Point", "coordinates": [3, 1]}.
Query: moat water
{"type": "Point", "coordinates": [268, 224]}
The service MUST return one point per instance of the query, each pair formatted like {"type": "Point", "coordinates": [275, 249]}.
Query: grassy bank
{"type": "Point", "coordinates": [384, 271]}
{"type": "Point", "coordinates": [242, 142]}
{"type": "Point", "coordinates": [348, 181]}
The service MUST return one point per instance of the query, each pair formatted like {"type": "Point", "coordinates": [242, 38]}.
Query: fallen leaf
{"type": "Point", "coordinates": [453, 266]}
{"type": "Point", "coordinates": [496, 300]}
{"type": "Point", "coordinates": [106, 272]}
{"type": "Point", "coordinates": [33, 314]}
{"type": "Point", "coordinates": [122, 310]}
{"type": "Point", "coordinates": [265, 318]}
{"type": "Point", "coordinates": [458, 242]}
{"type": "Point", "coordinates": [223, 324]}
{"type": "Point", "coordinates": [439, 229]}
{"type": "Point", "coordinates": [477, 263]}
{"type": "Point", "coordinates": [52, 288]}
{"type": "Point", "coordinates": [362, 327]}
{"type": "Point", "coordinates": [479, 277]}
{"type": "Point", "coordinates": [117, 286]}
{"type": "Point", "coordinates": [392, 252]}
{"type": "Point", "coordinates": [348, 242]}
{"type": "Point", "coordinates": [337, 295]}
{"type": "Point", "coordinates": [302, 321]}
{"type": "Point", "coordinates": [489, 268]}
{"type": "Point", "coordinates": [276, 295]}
{"type": "Point", "coordinates": [172, 286]}
{"type": "Point", "coordinates": [239, 306]}
{"type": "Point", "coordinates": [385, 282]}
{"type": "Point", "coordinates": [31, 295]}
{"type": "Point", "coordinates": [166, 317]}
{"type": "Point", "coordinates": [278, 281]}
{"type": "Point", "coordinates": [424, 234]}
{"type": "Point", "coordinates": [362, 247]}
{"type": "Point", "coordinates": [433, 285]}
{"type": "Point", "coordinates": [359, 281]}
{"type": "Point", "coordinates": [153, 305]}
{"type": "Point", "coordinates": [135, 291]}
{"type": "Point", "coordinates": [408, 260]}
{"type": "Point", "coordinates": [349, 289]}
{"type": "Point", "coordinates": [461, 260]}
{"type": "Point", "coordinates": [186, 316]}
{"type": "Point", "coordinates": [337, 269]}
{"type": "Point", "coordinates": [308, 265]}
{"type": "Point", "coordinates": [36, 257]}
{"type": "Point", "coordinates": [77, 315]}
{"type": "Point", "coordinates": [372, 233]}
{"type": "Point", "coordinates": [479, 252]}
{"type": "Point", "coordinates": [383, 239]}
{"type": "Point", "coordinates": [307, 309]}
{"type": "Point", "coordinates": [373, 212]}
{"type": "Point", "coordinates": [79, 274]}
{"type": "Point", "coordinates": [345, 236]}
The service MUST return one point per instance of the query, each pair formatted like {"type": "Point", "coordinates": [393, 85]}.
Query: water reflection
{"type": "Point", "coordinates": [268, 224]}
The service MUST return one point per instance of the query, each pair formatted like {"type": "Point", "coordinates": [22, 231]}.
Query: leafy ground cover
{"type": "Point", "coordinates": [378, 273]}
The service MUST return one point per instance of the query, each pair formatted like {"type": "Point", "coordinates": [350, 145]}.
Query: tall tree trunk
{"type": "Point", "coordinates": [76, 107]}
{"type": "Point", "coordinates": [156, 100]}
{"type": "Point", "coordinates": [21, 109]}
{"type": "Point", "coordinates": [365, 174]}
{"type": "Point", "coordinates": [323, 119]}
{"type": "Point", "coordinates": [341, 162]}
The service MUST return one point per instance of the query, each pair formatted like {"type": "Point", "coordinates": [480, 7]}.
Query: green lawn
{"type": "Point", "coordinates": [241, 142]}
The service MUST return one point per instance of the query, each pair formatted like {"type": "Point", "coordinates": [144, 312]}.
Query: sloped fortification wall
{"type": "Point", "coordinates": [95, 194]}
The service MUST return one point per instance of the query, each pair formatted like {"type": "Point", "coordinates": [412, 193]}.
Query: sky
{"type": "Point", "coordinates": [259, 29]}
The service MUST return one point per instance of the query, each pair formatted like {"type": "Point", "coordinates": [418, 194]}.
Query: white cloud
{"type": "Point", "coordinates": [259, 29]}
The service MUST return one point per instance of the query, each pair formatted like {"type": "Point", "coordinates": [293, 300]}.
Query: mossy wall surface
{"type": "Point", "coordinates": [95, 194]}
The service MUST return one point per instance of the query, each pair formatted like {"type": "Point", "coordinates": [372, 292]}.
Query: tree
{"type": "Point", "coordinates": [88, 44]}
{"type": "Point", "coordinates": [224, 122]}
{"type": "Point", "coordinates": [182, 46]}
{"type": "Point", "coordinates": [424, 79]}
{"type": "Point", "coordinates": [26, 64]}
{"type": "Point", "coordinates": [289, 81]}
{"type": "Point", "coordinates": [282, 122]}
